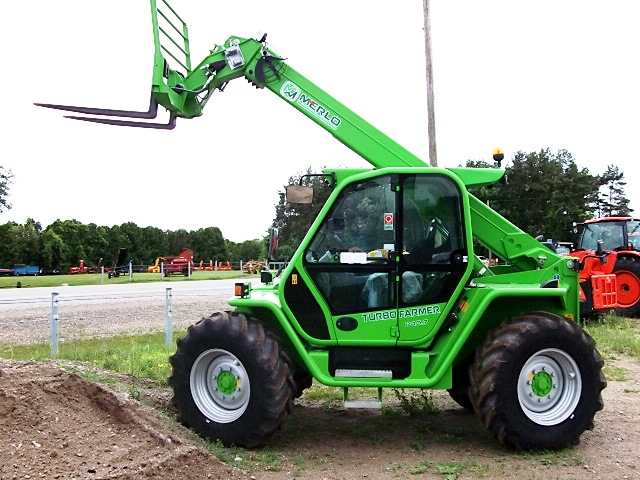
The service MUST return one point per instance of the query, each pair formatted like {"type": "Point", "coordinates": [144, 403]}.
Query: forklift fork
{"type": "Point", "coordinates": [170, 38]}
{"type": "Point", "coordinates": [151, 113]}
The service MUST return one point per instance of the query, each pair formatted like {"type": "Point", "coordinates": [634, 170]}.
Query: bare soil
{"type": "Point", "coordinates": [54, 423]}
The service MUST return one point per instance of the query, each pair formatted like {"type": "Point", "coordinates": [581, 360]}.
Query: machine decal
{"type": "Point", "coordinates": [388, 221]}
{"type": "Point", "coordinates": [379, 316]}
{"type": "Point", "coordinates": [405, 313]}
{"type": "Point", "coordinates": [291, 92]}
{"type": "Point", "coordinates": [419, 311]}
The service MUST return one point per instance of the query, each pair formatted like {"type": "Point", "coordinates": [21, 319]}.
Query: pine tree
{"type": "Point", "coordinates": [611, 199]}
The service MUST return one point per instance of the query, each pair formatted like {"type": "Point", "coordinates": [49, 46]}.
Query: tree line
{"type": "Point", "coordinates": [65, 242]}
{"type": "Point", "coordinates": [545, 193]}
{"type": "Point", "coordinates": [542, 192]}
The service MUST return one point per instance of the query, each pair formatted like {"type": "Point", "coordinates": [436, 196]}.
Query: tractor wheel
{"type": "Point", "coordinates": [459, 391]}
{"type": "Point", "coordinates": [230, 380]}
{"type": "Point", "coordinates": [537, 381]}
{"type": "Point", "coordinates": [627, 270]}
{"type": "Point", "coordinates": [302, 380]}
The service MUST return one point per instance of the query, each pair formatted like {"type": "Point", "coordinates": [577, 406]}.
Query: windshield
{"type": "Point", "coordinates": [611, 234]}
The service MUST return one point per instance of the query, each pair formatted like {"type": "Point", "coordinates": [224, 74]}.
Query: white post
{"type": "Point", "coordinates": [168, 328]}
{"type": "Point", "coordinates": [130, 271]}
{"type": "Point", "coordinates": [54, 324]}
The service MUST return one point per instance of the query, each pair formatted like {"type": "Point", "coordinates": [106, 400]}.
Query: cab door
{"type": "Point", "coordinates": [385, 262]}
{"type": "Point", "coordinates": [353, 265]}
{"type": "Point", "coordinates": [434, 264]}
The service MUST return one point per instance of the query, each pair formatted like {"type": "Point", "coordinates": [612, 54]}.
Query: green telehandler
{"type": "Point", "coordinates": [384, 291]}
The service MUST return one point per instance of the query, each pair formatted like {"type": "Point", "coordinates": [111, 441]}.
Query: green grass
{"type": "Point", "coordinates": [97, 278]}
{"type": "Point", "coordinates": [143, 356]}
{"type": "Point", "coordinates": [616, 335]}
{"type": "Point", "coordinates": [146, 355]}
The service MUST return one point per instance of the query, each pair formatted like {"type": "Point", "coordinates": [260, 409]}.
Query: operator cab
{"type": "Point", "coordinates": [388, 243]}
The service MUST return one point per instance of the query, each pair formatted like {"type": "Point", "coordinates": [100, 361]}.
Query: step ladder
{"type": "Point", "coordinates": [365, 403]}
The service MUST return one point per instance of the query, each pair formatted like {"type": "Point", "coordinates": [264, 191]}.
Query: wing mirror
{"type": "Point", "coordinates": [299, 194]}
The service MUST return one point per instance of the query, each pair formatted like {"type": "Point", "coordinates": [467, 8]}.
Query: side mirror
{"type": "Point", "coordinates": [299, 194]}
{"type": "Point", "coordinates": [273, 243]}
{"type": "Point", "coordinates": [600, 252]}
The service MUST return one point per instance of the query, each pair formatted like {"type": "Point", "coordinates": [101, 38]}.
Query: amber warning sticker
{"type": "Point", "coordinates": [388, 221]}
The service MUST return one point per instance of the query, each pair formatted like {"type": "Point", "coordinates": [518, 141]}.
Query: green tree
{"type": "Point", "coordinates": [178, 240]}
{"type": "Point", "coordinates": [6, 178]}
{"type": "Point", "coordinates": [208, 244]}
{"type": "Point", "coordinates": [10, 247]}
{"type": "Point", "coordinates": [156, 244]}
{"type": "Point", "coordinates": [31, 242]}
{"type": "Point", "coordinates": [52, 250]}
{"type": "Point", "coordinates": [543, 193]}
{"type": "Point", "coordinates": [73, 236]}
{"type": "Point", "coordinates": [294, 220]}
{"type": "Point", "coordinates": [611, 199]}
{"type": "Point", "coordinates": [248, 250]}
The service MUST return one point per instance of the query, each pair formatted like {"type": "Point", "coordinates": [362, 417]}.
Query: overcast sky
{"type": "Point", "coordinates": [511, 74]}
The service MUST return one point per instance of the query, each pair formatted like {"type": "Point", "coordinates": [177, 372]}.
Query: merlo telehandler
{"type": "Point", "coordinates": [384, 290]}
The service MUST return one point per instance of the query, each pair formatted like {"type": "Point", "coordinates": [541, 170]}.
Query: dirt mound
{"type": "Point", "coordinates": [55, 424]}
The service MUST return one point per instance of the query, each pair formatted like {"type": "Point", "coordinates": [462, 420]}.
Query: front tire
{"type": "Point", "coordinates": [627, 270]}
{"type": "Point", "coordinates": [537, 382]}
{"type": "Point", "coordinates": [230, 380]}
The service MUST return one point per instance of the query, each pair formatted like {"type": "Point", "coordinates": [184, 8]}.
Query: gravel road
{"type": "Point", "coordinates": [25, 316]}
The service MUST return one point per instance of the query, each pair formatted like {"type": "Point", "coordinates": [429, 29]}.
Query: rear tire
{"type": "Point", "coordinates": [230, 380]}
{"type": "Point", "coordinates": [459, 390]}
{"type": "Point", "coordinates": [627, 270]}
{"type": "Point", "coordinates": [537, 382]}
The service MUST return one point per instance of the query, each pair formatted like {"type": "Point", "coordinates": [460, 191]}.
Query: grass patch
{"type": "Point", "coordinates": [616, 374]}
{"type": "Point", "coordinates": [142, 356]}
{"type": "Point", "coordinates": [417, 403]}
{"type": "Point", "coordinates": [549, 458]}
{"type": "Point", "coordinates": [323, 393]}
{"type": "Point", "coordinates": [236, 456]}
{"type": "Point", "coordinates": [616, 335]}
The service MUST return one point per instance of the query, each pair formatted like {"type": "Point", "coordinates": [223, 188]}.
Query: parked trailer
{"type": "Point", "coordinates": [22, 269]}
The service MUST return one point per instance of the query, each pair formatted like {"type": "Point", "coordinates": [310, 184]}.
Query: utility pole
{"type": "Point", "coordinates": [431, 116]}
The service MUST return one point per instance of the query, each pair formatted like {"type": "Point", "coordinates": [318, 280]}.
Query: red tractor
{"type": "Point", "coordinates": [611, 245]}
